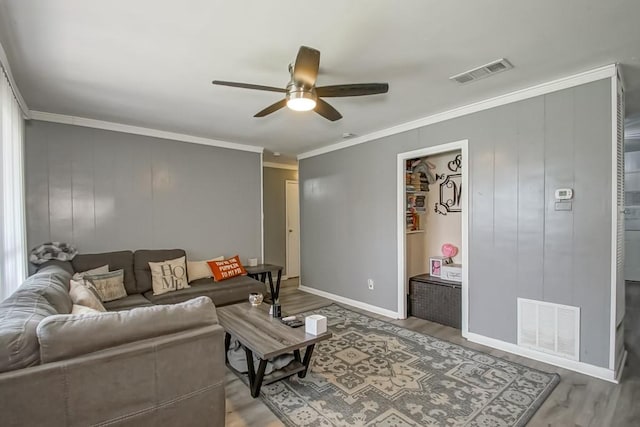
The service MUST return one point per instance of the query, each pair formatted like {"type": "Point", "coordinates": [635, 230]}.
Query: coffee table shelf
{"type": "Point", "coordinates": [291, 369]}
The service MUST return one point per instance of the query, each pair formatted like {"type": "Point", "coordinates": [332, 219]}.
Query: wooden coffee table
{"type": "Point", "coordinates": [267, 337]}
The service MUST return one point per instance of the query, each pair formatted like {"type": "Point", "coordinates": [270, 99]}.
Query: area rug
{"type": "Point", "coordinates": [374, 373]}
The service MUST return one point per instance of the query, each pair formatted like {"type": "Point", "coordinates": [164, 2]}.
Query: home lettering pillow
{"type": "Point", "coordinates": [168, 276]}
{"type": "Point", "coordinates": [110, 286]}
{"type": "Point", "coordinates": [200, 269]}
{"type": "Point", "coordinates": [227, 268]}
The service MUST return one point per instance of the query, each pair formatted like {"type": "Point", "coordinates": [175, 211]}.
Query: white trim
{"type": "Point", "coordinates": [572, 365]}
{"type": "Point", "coordinates": [137, 130]}
{"type": "Point", "coordinates": [261, 208]}
{"type": "Point", "coordinates": [463, 146]}
{"type": "Point", "coordinates": [614, 221]}
{"type": "Point", "coordinates": [620, 368]}
{"type": "Point", "coordinates": [530, 92]}
{"type": "Point", "coordinates": [364, 306]}
{"type": "Point", "coordinates": [4, 62]}
{"type": "Point", "coordinates": [280, 166]}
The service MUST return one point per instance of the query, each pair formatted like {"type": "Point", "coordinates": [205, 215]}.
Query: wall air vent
{"type": "Point", "coordinates": [483, 71]}
{"type": "Point", "coordinates": [549, 328]}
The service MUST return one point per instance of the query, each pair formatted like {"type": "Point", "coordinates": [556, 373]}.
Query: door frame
{"type": "Point", "coordinates": [463, 146]}
{"type": "Point", "coordinates": [286, 228]}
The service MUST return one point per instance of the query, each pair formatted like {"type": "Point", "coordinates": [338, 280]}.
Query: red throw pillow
{"type": "Point", "coordinates": [227, 269]}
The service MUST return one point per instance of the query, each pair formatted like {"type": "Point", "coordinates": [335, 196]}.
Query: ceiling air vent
{"type": "Point", "coordinates": [483, 71]}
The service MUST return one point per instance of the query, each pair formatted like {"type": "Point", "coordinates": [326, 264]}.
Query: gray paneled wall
{"type": "Point", "coordinates": [103, 191]}
{"type": "Point", "coordinates": [275, 221]}
{"type": "Point", "coordinates": [520, 246]}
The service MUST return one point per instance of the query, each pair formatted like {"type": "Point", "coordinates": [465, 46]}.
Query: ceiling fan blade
{"type": "Point", "coordinates": [305, 69]}
{"type": "Point", "coordinates": [272, 108]}
{"type": "Point", "coordinates": [357, 89]}
{"type": "Point", "coordinates": [249, 86]}
{"type": "Point", "coordinates": [327, 111]}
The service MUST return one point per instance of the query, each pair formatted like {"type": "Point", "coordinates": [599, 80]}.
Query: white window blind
{"type": "Point", "coordinates": [13, 251]}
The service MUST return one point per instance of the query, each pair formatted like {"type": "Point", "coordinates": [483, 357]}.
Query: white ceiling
{"type": "Point", "coordinates": [150, 63]}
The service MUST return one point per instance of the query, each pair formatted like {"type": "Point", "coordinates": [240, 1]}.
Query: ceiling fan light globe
{"type": "Point", "coordinates": [300, 98]}
{"type": "Point", "coordinates": [301, 104]}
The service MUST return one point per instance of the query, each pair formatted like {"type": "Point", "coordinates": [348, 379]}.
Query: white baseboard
{"type": "Point", "coordinates": [621, 366]}
{"type": "Point", "coordinates": [572, 365]}
{"type": "Point", "coordinates": [351, 302]}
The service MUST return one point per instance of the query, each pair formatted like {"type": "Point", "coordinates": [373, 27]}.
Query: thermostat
{"type": "Point", "coordinates": [564, 194]}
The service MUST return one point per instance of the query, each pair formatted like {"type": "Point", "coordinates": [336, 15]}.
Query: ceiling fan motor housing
{"type": "Point", "coordinates": [301, 97]}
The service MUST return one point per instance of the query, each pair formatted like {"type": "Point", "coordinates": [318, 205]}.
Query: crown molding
{"type": "Point", "coordinates": [4, 63]}
{"type": "Point", "coordinates": [136, 130]}
{"type": "Point", "coordinates": [600, 73]}
{"type": "Point", "coordinates": [280, 166]}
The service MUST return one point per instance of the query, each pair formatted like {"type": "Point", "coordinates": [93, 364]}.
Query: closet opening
{"type": "Point", "coordinates": [432, 234]}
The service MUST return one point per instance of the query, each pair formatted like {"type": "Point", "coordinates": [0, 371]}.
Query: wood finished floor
{"type": "Point", "coordinates": [578, 400]}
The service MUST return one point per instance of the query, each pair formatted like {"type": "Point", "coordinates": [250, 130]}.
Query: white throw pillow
{"type": "Point", "coordinates": [110, 286]}
{"type": "Point", "coordinates": [200, 269]}
{"type": "Point", "coordinates": [99, 270]}
{"type": "Point", "coordinates": [82, 295]}
{"type": "Point", "coordinates": [169, 275]}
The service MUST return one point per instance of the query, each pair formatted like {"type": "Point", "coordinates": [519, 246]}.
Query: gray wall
{"type": "Point", "coordinates": [275, 221]}
{"type": "Point", "coordinates": [519, 245]}
{"type": "Point", "coordinates": [103, 191]}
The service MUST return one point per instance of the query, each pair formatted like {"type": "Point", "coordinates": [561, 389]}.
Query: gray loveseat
{"type": "Point", "coordinates": [140, 365]}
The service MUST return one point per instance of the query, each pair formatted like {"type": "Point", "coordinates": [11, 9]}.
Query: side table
{"type": "Point", "coordinates": [263, 271]}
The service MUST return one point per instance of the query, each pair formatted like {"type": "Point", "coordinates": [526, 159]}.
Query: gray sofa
{"type": "Point", "coordinates": [137, 279]}
{"type": "Point", "coordinates": [140, 365]}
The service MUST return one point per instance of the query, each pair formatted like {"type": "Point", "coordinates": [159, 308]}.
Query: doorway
{"type": "Point", "coordinates": [292, 208]}
{"type": "Point", "coordinates": [406, 228]}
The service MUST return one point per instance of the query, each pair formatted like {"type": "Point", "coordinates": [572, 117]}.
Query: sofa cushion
{"type": "Point", "coordinates": [141, 260]}
{"type": "Point", "coordinates": [83, 309]}
{"type": "Point", "coordinates": [65, 265]}
{"type": "Point", "coordinates": [116, 261]}
{"type": "Point", "coordinates": [46, 293]}
{"type": "Point", "coordinates": [127, 303]}
{"type": "Point", "coordinates": [229, 291]}
{"type": "Point", "coordinates": [64, 336]}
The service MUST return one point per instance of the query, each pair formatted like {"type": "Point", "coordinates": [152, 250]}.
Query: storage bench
{"type": "Point", "coordinates": [435, 299]}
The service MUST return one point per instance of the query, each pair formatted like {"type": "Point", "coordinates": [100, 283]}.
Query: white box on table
{"type": "Point", "coordinates": [315, 324]}
{"type": "Point", "coordinates": [452, 272]}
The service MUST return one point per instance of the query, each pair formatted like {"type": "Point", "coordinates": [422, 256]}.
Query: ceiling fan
{"type": "Point", "coordinates": [301, 91]}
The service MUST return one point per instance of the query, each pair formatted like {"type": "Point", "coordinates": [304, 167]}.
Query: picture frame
{"type": "Point", "coordinates": [435, 267]}
{"type": "Point", "coordinates": [436, 263]}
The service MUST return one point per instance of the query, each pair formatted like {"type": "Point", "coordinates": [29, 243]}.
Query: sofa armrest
{"type": "Point", "coordinates": [175, 379]}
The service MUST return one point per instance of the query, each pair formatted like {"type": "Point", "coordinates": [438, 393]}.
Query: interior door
{"type": "Point", "coordinates": [293, 228]}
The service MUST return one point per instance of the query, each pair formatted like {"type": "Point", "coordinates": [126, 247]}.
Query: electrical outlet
{"type": "Point", "coordinates": [370, 283]}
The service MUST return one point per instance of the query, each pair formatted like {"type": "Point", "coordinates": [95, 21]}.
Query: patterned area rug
{"type": "Point", "coordinates": [373, 373]}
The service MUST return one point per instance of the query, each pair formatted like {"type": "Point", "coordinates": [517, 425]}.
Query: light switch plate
{"type": "Point", "coordinates": [564, 206]}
